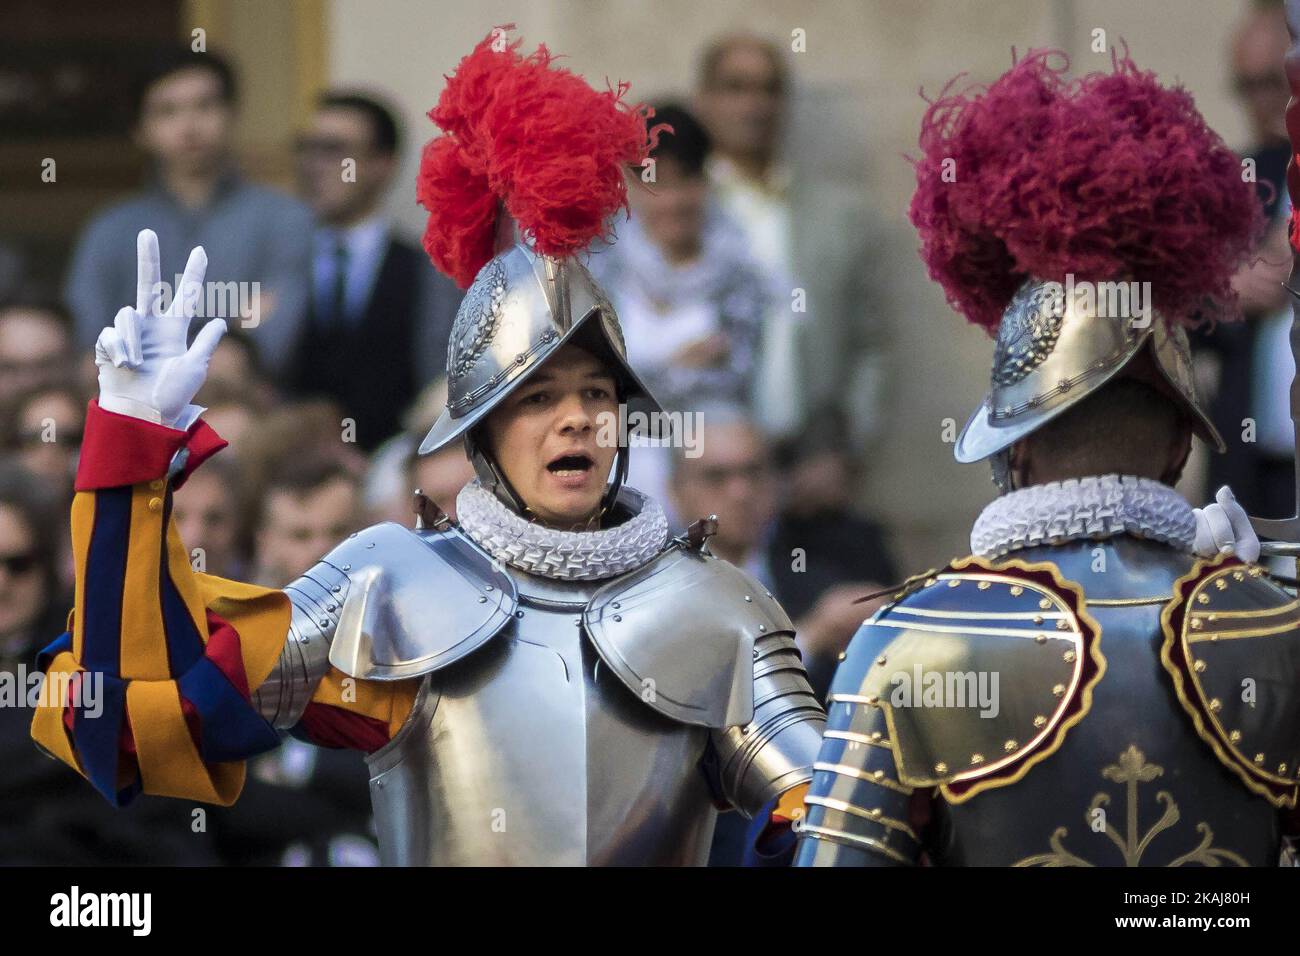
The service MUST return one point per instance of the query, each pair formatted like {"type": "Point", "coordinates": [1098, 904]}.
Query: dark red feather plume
{"type": "Point", "coordinates": [522, 134]}
{"type": "Point", "coordinates": [1110, 176]}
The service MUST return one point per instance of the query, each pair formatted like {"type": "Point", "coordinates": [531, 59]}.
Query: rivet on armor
{"type": "Point", "coordinates": [762, 627]}
{"type": "Point", "coordinates": [878, 775]}
{"type": "Point", "coordinates": [482, 599]}
{"type": "Point", "coordinates": [984, 585]}
{"type": "Point", "coordinates": [1062, 625]}
{"type": "Point", "coordinates": [941, 768]}
{"type": "Point", "coordinates": [1068, 657]}
{"type": "Point", "coordinates": [1196, 624]}
{"type": "Point", "coordinates": [1214, 638]}
{"type": "Point", "coordinates": [336, 589]}
{"type": "Point", "coordinates": [748, 599]}
{"type": "Point", "coordinates": [1010, 746]}
{"type": "Point", "coordinates": [1203, 598]}
{"type": "Point", "coordinates": [618, 617]}
{"type": "Point", "coordinates": [329, 607]}
{"type": "Point", "coordinates": [876, 735]}
{"type": "Point", "coordinates": [874, 813]}
{"type": "Point", "coordinates": [1238, 576]}
{"type": "Point", "coordinates": [1221, 584]}
{"type": "Point", "coordinates": [1058, 690]}
{"type": "Point", "coordinates": [370, 545]}
{"type": "Point", "coordinates": [1040, 721]}
{"type": "Point", "coordinates": [1017, 590]}
{"type": "Point", "coordinates": [976, 758]}
{"type": "Point", "coordinates": [1259, 758]}
{"type": "Point", "coordinates": [1281, 768]}
{"type": "Point", "coordinates": [953, 583]}
{"type": "Point", "coordinates": [1256, 572]}
{"type": "Point", "coordinates": [1038, 619]}
{"type": "Point", "coordinates": [519, 613]}
{"type": "Point", "coordinates": [841, 656]}
{"type": "Point", "coordinates": [1235, 736]}
{"type": "Point", "coordinates": [930, 582]}
{"type": "Point", "coordinates": [155, 504]}
{"type": "Point", "coordinates": [1040, 638]}
{"type": "Point", "coordinates": [1045, 603]}
{"type": "Point", "coordinates": [873, 701]}
{"type": "Point", "coordinates": [487, 587]}
{"type": "Point", "coordinates": [1211, 617]}
{"type": "Point", "coordinates": [616, 605]}
{"type": "Point", "coordinates": [756, 653]}
{"type": "Point", "coordinates": [352, 535]}
{"type": "Point", "coordinates": [881, 660]}
{"type": "Point", "coordinates": [347, 567]}
{"type": "Point", "coordinates": [1216, 705]}
{"type": "Point", "coordinates": [1199, 667]}
{"type": "Point", "coordinates": [768, 593]}
{"type": "Point", "coordinates": [324, 622]}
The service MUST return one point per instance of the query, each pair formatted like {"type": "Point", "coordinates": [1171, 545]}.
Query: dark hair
{"type": "Point", "coordinates": [720, 47]}
{"type": "Point", "coordinates": [688, 143]}
{"type": "Point", "coordinates": [171, 61]}
{"type": "Point", "coordinates": [386, 132]}
{"type": "Point", "coordinates": [1119, 428]}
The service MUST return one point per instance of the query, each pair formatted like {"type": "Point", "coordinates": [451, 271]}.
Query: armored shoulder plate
{"type": "Point", "coordinates": [978, 670]}
{"type": "Point", "coordinates": [414, 602]}
{"type": "Point", "coordinates": [679, 631]}
{"type": "Point", "coordinates": [1232, 646]}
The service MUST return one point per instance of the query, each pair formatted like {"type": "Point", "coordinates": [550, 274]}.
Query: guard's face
{"type": "Point", "coordinates": [544, 437]}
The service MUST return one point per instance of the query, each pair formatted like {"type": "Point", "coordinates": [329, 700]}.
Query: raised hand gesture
{"type": "Point", "coordinates": [145, 370]}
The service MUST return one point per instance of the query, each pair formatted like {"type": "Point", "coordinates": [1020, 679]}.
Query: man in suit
{"type": "Point", "coordinates": [808, 232]}
{"type": "Point", "coordinates": [380, 314]}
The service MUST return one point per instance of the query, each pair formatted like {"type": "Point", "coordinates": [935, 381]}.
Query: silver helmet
{"type": "Point", "coordinates": [1056, 347]}
{"type": "Point", "coordinates": [522, 308]}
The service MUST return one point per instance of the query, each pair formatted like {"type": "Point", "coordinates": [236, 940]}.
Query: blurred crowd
{"type": "Point", "coordinates": [744, 285]}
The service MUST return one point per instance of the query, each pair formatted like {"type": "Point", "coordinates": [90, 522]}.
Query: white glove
{"type": "Point", "coordinates": [145, 371]}
{"type": "Point", "coordinates": [1224, 528]}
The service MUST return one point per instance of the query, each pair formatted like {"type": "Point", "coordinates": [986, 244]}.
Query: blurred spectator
{"type": "Point", "coordinates": [790, 546]}
{"type": "Point", "coordinates": [302, 805]}
{"type": "Point", "coordinates": [380, 313]}
{"type": "Point", "coordinates": [807, 234]}
{"type": "Point", "coordinates": [207, 513]}
{"type": "Point", "coordinates": [185, 112]}
{"type": "Point", "coordinates": [43, 430]}
{"type": "Point", "coordinates": [440, 476]}
{"type": "Point", "coordinates": [305, 508]}
{"type": "Point", "coordinates": [691, 300]}
{"type": "Point", "coordinates": [1255, 365]}
{"type": "Point", "coordinates": [35, 345]}
{"type": "Point", "coordinates": [387, 489]}
{"type": "Point", "coordinates": [735, 479]}
{"type": "Point", "coordinates": [48, 816]}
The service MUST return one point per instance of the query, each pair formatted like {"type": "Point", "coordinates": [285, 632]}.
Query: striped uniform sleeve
{"type": "Point", "coordinates": [148, 690]}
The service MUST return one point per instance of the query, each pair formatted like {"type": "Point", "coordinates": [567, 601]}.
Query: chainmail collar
{"type": "Point", "coordinates": [563, 555]}
{"type": "Point", "coordinates": [1080, 508]}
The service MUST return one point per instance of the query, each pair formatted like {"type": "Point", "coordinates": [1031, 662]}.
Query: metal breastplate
{"type": "Point", "coordinates": [530, 751]}
{"type": "Point", "coordinates": [1132, 784]}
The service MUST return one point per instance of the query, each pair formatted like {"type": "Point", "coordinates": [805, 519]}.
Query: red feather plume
{"type": "Point", "coordinates": [1110, 176]}
{"type": "Point", "coordinates": [522, 135]}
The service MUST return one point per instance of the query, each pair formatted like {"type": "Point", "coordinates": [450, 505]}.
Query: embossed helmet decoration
{"type": "Point", "coordinates": [1082, 221]}
{"type": "Point", "coordinates": [529, 151]}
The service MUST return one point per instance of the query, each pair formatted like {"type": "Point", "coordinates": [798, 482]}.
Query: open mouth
{"type": "Point", "coordinates": [567, 466]}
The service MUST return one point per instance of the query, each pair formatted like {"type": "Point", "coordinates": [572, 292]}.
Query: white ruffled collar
{"type": "Point", "coordinates": [1084, 508]}
{"type": "Point", "coordinates": [563, 555]}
